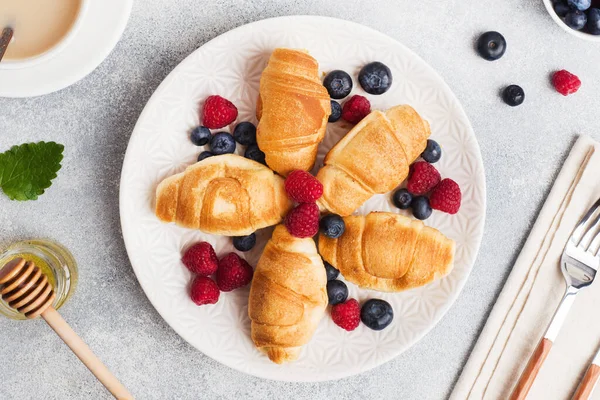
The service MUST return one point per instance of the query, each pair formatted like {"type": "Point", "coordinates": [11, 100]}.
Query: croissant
{"type": "Point", "coordinates": [293, 107]}
{"type": "Point", "coordinates": [388, 252]}
{"type": "Point", "coordinates": [374, 157]}
{"type": "Point", "coordinates": [227, 195]}
{"type": "Point", "coordinates": [288, 296]}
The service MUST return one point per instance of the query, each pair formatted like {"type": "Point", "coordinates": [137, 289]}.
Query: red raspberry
{"type": "Point", "coordinates": [356, 108]}
{"type": "Point", "coordinates": [303, 187]}
{"type": "Point", "coordinates": [422, 178]}
{"type": "Point", "coordinates": [346, 315]}
{"type": "Point", "coordinates": [565, 82]}
{"type": "Point", "coordinates": [204, 291]}
{"type": "Point", "coordinates": [303, 220]}
{"type": "Point", "coordinates": [218, 112]}
{"type": "Point", "coordinates": [234, 272]}
{"type": "Point", "coordinates": [446, 196]}
{"type": "Point", "coordinates": [201, 259]}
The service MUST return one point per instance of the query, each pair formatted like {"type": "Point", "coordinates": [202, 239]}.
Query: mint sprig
{"type": "Point", "coordinates": [27, 170]}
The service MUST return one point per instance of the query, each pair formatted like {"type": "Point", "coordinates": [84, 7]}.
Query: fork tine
{"type": "Point", "coordinates": [591, 234]}
{"type": "Point", "coordinates": [578, 233]}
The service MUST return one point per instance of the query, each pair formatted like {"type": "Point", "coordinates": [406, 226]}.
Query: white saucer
{"type": "Point", "coordinates": [100, 27]}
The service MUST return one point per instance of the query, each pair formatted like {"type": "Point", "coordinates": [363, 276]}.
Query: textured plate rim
{"type": "Point", "coordinates": [480, 182]}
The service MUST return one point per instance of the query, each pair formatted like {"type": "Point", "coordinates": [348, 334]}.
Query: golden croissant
{"type": "Point", "coordinates": [288, 296]}
{"type": "Point", "coordinates": [373, 158]}
{"type": "Point", "coordinates": [227, 195]}
{"type": "Point", "coordinates": [293, 107]}
{"type": "Point", "coordinates": [388, 252]}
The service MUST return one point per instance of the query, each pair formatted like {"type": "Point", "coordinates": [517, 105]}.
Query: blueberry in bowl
{"type": "Point", "coordinates": [222, 143]}
{"type": "Point", "coordinates": [576, 19]}
{"type": "Point", "coordinates": [337, 292]}
{"type": "Point", "coordinates": [375, 78]}
{"type": "Point", "coordinates": [376, 314]}
{"type": "Point", "coordinates": [338, 84]}
{"type": "Point", "coordinates": [580, 18]}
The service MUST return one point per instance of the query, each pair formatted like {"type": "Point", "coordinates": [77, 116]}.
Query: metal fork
{"type": "Point", "coordinates": [579, 263]}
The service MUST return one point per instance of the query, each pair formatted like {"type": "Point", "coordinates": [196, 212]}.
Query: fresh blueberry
{"type": "Point", "coordinates": [332, 226]}
{"type": "Point", "coordinates": [336, 111]}
{"type": "Point", "coordinates": [254, 153]}
{"type": "Point", "coordinates": [222, 143]}
{"type": "Point", "coordinates": [561, 9]}
{"type": "Point", "coordinates": [491, 45]}
{"type": "Point", "coordinates": [200, 135]}
{"type": "Point", "coordinates": [375, 78]}
{"type": "Point", "coordinates": [433, 152]}
{"type": "Point", "coordinates": [513, 95]}
{"type": "Point", "coordinates": [376, 314]}
{"type": "Point", "coordinates": [338, 83]}
{"type": "Point", "coordinates": [421, 208]}
{"type": "Point", "coordinates": [593, 23]}
{"type": "Point", "coordinates": [575, 19]}
{"type": "Point", "coordinates": [204, 154]}
{"type": "Point", "coordinates": [337, 292]}
{"type": "Point", "coordinates": [331, 271]}
{"type": "Point", "coordinates": [244, 243]}
{"type": "Point", "coordinates": [245, 133]}
{"type": "Point", "coordinates": [402, 199]}
{"type": "Point", "coordinates": [580, 5]}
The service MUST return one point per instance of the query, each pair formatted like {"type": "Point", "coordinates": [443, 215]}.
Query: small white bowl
{"type": "Point", "coordinates": [559, 21]}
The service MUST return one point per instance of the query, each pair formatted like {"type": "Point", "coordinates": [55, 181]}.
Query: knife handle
{"type": "Point", "coordinates": [533, 367]}
{"type": "Point", "coordinates": [586, 386]}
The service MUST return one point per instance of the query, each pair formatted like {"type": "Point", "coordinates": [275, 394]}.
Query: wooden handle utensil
{"type": "Point", "coordinates": [25, 288]}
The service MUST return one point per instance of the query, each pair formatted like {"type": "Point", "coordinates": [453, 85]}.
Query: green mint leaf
{"type": "Point", "coordinates": [28, 169]}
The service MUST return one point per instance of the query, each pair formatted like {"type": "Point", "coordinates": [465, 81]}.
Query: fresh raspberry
{"type": "Point", "coordinates": [346, 315]}
{"type": "Point", "coordinates": [234, 272]}
{"type": "Point", "coordinates": [422, 178]}
{"type": "Point", "coordinates": [303, 220]}
{"type": "Point", "coordinates": [356, 108]}
{"type": "Point", "coordinates": [446, 196]}
{"type": "Point", "coordinates": [565, 82]}
{"type": "Point", "coordinates": [303, 187]}
{"type": "Point", "coordinates": [204, 291]}
{"type": "Point", "coordinates": [201, 259]}
{"type": "Point", "coordinates": [218, 112]}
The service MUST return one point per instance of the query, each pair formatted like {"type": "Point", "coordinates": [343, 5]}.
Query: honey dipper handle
{"type": "Point", "coordinates": [83, 352]}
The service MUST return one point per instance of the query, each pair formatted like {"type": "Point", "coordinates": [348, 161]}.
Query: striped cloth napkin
{"type": "Point", "coordinates": [532, 293]}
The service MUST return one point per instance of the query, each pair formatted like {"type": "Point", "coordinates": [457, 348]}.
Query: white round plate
{"type": "Point", "coordinates": [96, 32]}
{"type": "Point", "coordinates": [231, 65]}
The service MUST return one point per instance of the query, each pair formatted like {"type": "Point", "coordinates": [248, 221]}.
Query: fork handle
{"type": "Point", "coordinates": [533, 367]}
{"type": "Point", "coordinates": [587, 383]}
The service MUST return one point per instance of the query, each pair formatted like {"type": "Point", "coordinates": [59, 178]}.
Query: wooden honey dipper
{"type": "Point", "coordinates": [25, 288]}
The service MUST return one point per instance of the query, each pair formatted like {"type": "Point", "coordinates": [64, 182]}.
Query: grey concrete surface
{"type": "Point", "coordinates": [522, 148]}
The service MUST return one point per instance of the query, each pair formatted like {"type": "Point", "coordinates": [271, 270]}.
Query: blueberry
{"type": "Point", "coordinates": [244, 243]}
{"type": "Point", "coordinates": [593, 23]}
{"type": "Point", "coordinates": [200, 135]}
{"type": "Point", "coordinates": [402, 199]}
{"type": "Point", "coordinates": [331, 271]}
{"type": "Point", "coordinates": [245, 133]}
{"type": "Point", "coordinates": [337, 292]}
{"type": "Point", "coordinates": [561, 9]}
{"type": "Point", "coordinates": [338, 83]}
{"type": "Point", "coordinates": [375, 78]}
{"type": "Point", "coordinates": [204, 154]}
{"type": "Point", "coordinates": [513, 95]}
{"type": "Point", "coordinates": [433, 152]}
{"type": "Point", "coordinates": [254, 153]}
{"type": "Point", "coordinates": [421, 208]}
{"type": "Point", "coordinates": [222, 143]}
{"type": "Point", "coordinates": [491, 45]}
{"type": "Point", "coordinates": [575, 19]}
{"type": "Point", "coordinates": [332, 226]}
{"type": "Point", "coordinates": [580, 5]}
{"type": "Point", "coordinates": [376, 314]}
{"type": "Point", "coordinates": [336, 111]}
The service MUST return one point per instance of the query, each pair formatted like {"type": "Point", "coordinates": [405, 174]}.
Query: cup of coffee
{"type": "Point", "coordinates": [42, 28]}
